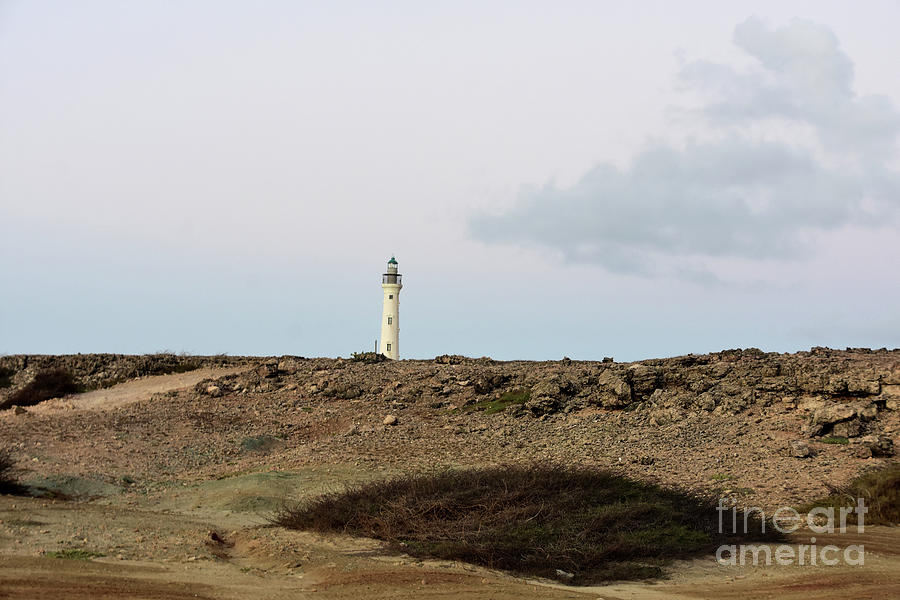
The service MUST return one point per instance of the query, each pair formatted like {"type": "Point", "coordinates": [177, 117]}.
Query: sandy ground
{"type": "Point", "coordinates": [210, 538]}
{"type": "Point", "coordinates": [130, 392]}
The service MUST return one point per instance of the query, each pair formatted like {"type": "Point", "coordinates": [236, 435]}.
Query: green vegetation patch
{"type": "Point", "coordinates": [589, 524]}
{"type": "Point", "coordinates": [879, 489]}
{"type": "Point", "coordinates": [74, 554]}
{"type": "Point", "coordinates": [836, 440]}
{"type": "Point", "coordinates": [489, 407]}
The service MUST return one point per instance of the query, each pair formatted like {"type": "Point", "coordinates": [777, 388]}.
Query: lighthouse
{"type": "Point", "coordinates": [390, 314]}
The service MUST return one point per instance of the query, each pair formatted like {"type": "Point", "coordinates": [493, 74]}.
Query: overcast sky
{"type": "Point", "coordinates": [581, 179]}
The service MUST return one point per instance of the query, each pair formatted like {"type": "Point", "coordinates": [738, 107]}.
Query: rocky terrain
{"type": "Point", "coordinates": [763, 429]}
{"type": "Point", "coordinates": [102, 370]}
{"type": "Point", "coordinates": [773, 428]}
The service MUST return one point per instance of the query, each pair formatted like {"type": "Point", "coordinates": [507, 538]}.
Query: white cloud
{"type": "Point", "coordinates": [676, 208]}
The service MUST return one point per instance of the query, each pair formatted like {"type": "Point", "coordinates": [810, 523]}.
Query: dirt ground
{"type": "Point", "coordinates": [199, 528]}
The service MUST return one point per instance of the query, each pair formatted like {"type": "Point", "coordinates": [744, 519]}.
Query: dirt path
{"type": "Point", "coordinates": [131, 391]}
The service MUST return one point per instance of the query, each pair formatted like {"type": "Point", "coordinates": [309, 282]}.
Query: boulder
{"type": "Point", "coordinates": [847, 429]}
{"type": "Point", "coordinates": [858, 386]}
{"type": "Point", "coordinates": [800, 449]}
{"type": "Point", "coordinates": [489, 383]}
{"type": "Point", "coordinates": [542, 405]}
{"type": "Point", "coordinates": [890, 395]}
{"type": "Point", "coordinates": [875, 445]}
{"type": "Point", "coordinates": [390, 420]}
{"type": "Point", "coordinates": [287, 365]}
{"type": "Point", "coordinates": [868, 412]}
{"type": "Point", "coordinates": [825, 417]}
{"type": "Point", "coordinates": [267, 370]}
{"type": "Point", "coordinates": [613, 390]}
{"type": "Point", "coordinates": [214, 391]}
{"type": "Point", "coordinates": [644, 379]}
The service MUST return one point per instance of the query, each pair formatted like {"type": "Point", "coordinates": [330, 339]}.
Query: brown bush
{"type": "Point", "coordinates": [592, 525]}
{"type": "Point", "coordinates": [47, 384]}
{"type": "Point", "coordinates": [9, 484]}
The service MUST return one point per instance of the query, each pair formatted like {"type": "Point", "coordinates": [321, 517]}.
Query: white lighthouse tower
{"type": "Point", "coordinates": [390, 315]}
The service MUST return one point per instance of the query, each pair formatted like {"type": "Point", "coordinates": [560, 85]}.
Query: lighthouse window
{"type": "Point", "coordinates": [389, 347]}
{"type": "Point", "coordinates": [390, 296]}
{"type": "Point", "coordinates": [390, 320]}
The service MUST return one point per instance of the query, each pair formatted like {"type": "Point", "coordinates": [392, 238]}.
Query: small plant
{"type": "Point", "coordinates": [879, 489]}
{"type": "Point", "coordinates": [722, 477]}
{"type": "Point", "coordinates": [836, 440]}
{"type": "Point", "coordinates": [74, 554]}
{"type": "Point", "coordinates": [47, 384]}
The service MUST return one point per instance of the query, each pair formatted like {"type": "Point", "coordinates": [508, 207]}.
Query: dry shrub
{"type": "Point", "coordinates": [47, 384]}
{"type": "Point", "coordinates": [535, 520]}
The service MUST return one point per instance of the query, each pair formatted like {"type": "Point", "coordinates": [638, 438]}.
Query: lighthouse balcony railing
{"type": "Point", "coordinates": [391, 278]}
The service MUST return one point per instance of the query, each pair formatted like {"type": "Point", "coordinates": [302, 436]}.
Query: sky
{"type": "Point", "coordinates": [581, 179]}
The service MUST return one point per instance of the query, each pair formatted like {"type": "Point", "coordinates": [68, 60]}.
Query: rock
{"type": "Point", "coordinates": [800, 449]}
{"type": "Point", "coordinates": [883, 447]}
{"type": "Point", "coordinates": [214, 391]}
{"type": "Point", "coordinates": [876, 445]}
{"type": "Point", "coordinates": [488, 383]}
{"type": "Point", "coordinates": [720, 370]}
{"type": "Point", "coordinates": [847, 429]}
{"type": "Point", "coordinates": [868, 412]}
{"type": "Point", "coordinates": [449, 359]}
{"type": "Point", "coordinates": [863, 387]}
{"type": "Point", "coordinates": [344, 391]}
{"type": "Point", "coordinates": [825, 417]}
{"type": "Point", "coordinates": [268, 369]}
{"type": "Point", "coordinates": [547, 387]}
{"type": "Point", "coordinates": [613, 390]}
{"type": "Point", "coordinates": [287, 365]}
{"type": "Point", "coordinates": [706, 401]}
{"type": "Point", "coordinates": [548, 395]}
{"type": "Point", "coordinates": [542, 405]}
{"type": "Point", "coordinates": [564, 575]}
{"type": "Point", "coordinates": [644, 379]}
{"type": "Point", "coordinates": [18, 410]}
{"type": "Point", "coordinates": [390, 420]}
